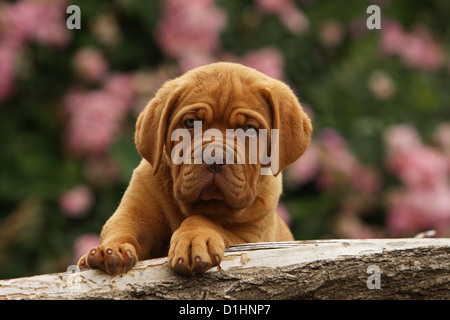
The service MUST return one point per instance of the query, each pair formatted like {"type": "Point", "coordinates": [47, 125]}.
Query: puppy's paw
{"type": "Point", "coordinates": [195, 251]}
{"type": "Point", "coordinates": [111, 258]}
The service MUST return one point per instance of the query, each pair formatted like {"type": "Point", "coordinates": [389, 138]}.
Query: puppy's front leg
{"type": "Point", "coordinates": [123, 242]}
{"type": "Point", "coordinates": [136, 231]}
{"type": "Point", "coordinates": [198, 245]}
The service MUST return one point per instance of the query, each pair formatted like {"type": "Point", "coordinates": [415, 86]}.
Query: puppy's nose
{"type": "Point", "coordinates": [215, 167]}
{"type": "Point", "coordinates": [214, 164]}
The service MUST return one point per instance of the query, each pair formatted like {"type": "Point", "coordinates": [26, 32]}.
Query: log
{"type": "Point", "coordinates": [322, 269]}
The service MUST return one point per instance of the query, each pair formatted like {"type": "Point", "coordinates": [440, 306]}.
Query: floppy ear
{"type": "Point", "coordinates": [293, 123]}
{"type": "Point", "coordinates": [151, 126]}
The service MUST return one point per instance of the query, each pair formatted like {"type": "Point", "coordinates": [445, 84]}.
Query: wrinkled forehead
{"type": "Point", "coordinates": [224, 92]}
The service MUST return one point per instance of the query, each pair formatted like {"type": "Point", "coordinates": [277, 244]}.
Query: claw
{"type": "Point", "coordinates": [113, 259]}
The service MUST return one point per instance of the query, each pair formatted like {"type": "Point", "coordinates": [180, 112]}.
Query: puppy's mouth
{"type": "Point", "coordinates": [211, 191]}
{"type": "Point", "coordinates": [213, 184]}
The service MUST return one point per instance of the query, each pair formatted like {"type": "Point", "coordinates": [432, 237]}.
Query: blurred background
{"type": "Point", "coordinates": [378, 164]}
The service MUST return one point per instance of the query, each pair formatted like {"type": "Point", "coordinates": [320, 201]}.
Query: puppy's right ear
{"type": "Point", "coordinates": [152, 123]}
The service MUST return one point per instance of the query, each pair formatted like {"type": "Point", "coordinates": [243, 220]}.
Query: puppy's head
{"type": "Point", "coordinates": [220, 129]}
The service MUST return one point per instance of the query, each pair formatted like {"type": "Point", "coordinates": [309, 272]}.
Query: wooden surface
{"type": "Point", "coordinates": [323, 269]}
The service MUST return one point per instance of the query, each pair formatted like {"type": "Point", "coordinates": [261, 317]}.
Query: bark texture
{"type": "Point", "coordinates": [323, 269]}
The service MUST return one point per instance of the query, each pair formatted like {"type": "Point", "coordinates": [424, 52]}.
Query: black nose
{"type": "Point", "coordinates": [215, 167]}
{"type": "Point", "coordinates": [214, 163]}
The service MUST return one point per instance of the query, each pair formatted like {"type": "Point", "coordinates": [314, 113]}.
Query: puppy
{"type": "Point", "coordinates": [192, 210]}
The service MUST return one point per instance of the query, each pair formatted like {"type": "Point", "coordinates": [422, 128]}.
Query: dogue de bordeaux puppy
{"type": "Point", "coordinates": [193, 210]}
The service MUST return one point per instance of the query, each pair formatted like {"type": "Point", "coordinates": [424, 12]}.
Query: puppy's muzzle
{"type": "Point", "coordinates": [215, 161]}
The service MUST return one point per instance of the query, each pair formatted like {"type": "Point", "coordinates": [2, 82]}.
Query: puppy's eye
{"type": "Point", "coordinates": [250, 129]}
{"type": "Point", "coordinates": [189, 123]}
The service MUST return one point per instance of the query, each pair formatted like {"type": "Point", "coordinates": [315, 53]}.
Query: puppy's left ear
{"type": "Point", "coordinates": [293, 123]}
{"type": "Point", "coordinates": [152, 123]}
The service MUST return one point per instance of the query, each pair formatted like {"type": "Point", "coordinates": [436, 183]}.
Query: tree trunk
{"type": "Point", "coordinates": [323, 269]}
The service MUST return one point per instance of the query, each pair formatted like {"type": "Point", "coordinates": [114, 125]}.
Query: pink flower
{"type": "Point", "coordinates": [337, 156]}
{"type": "Point", "coordinates": [7, 77]}
{"type": "Point", "coordinates": [415, 165]}
{"type": "Point", "coordinates": [193, 60]}
{"type": "Point", "coordinates": [420, 50]}
{"type": "Point", "coordinates": [425, 167]}
{"type": "Point", "coordinates": [189, 26]}
{"type": "Point", "coordinates": [415, 210]}
{"type": "Point", "coordinates": [366, 181]}
{"type": "Point", "coordinates": [331, 33]}
{"type": "Point", "coordinates": [95, 116]}
{"type": "Point", "coordinates": [273, 6]}
{"type": "Point", "coordinates": [423, 201]}
{"type": "Point", "coordinates": [401, 220]}
{"type": "Point", "coordinates": [336, 161]}
{"type": "Point", "coordinates": [392, 37]}
{"type": "Point", "coordinates": [84, 243]}
{"type": "Point", "coordinates": [306, 167]}
{"type": "Point", "coordinates": [40, 21]}
{"type": "Point", "coordinates": [292, 18]}
{"type": "Point", "coordinates": [90, 64]}
{"type": "Point", "coordinates": [76, 202]}
{"type": "Point", "coordinates": [295, 20]}
{"type": "Point", "coordinates": [381, 85]}
{"type": "Point", "coordinates": [267, 60]}
{"type": "Point", "coordinates": [416, 49]}
{"type": "Point", "coordinates": [335, 165]}
{"type": "Point", "coordinates": [401, 138]}
{"type": "Point", "coordinates": [121, 87]}
{"type": "Point", "coordinates": [442, 136]}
